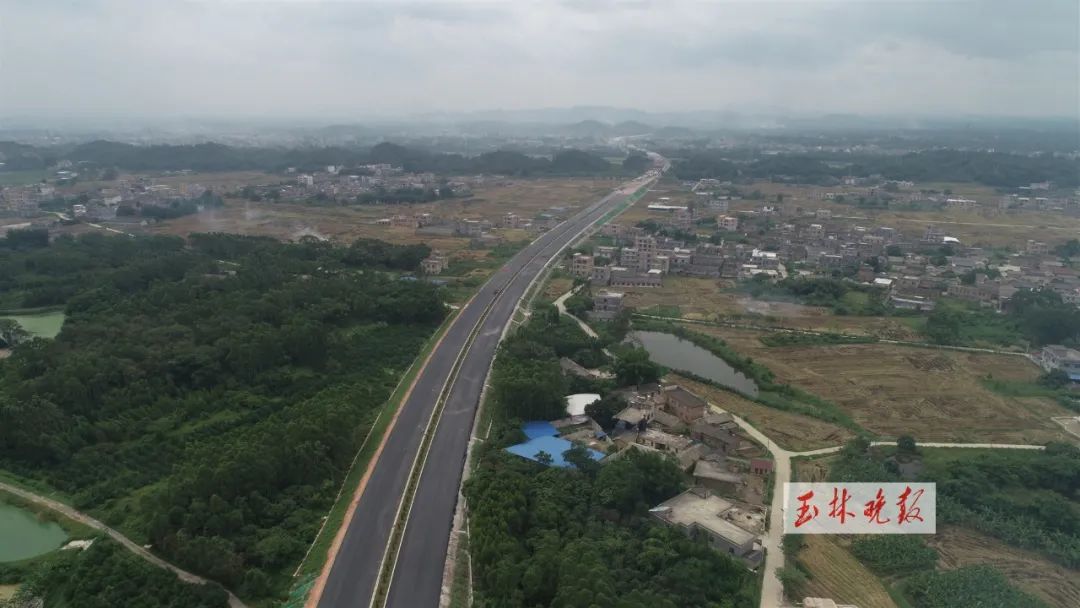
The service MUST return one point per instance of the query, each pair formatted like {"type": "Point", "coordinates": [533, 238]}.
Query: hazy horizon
{"type": "Point", "coordinates": [351, 61]}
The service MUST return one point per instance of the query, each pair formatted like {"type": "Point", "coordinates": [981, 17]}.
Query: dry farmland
{"type": "Point", "coordinates": [290, 221]}
{"type": "Point", "coordinates": [891, 390]}
{"type": "Point", "coordinates": [706, 299]}
{"type": "Point", "coordinates": [789, 430]}
{"type": "Point", "coordinates": [838, 575]}
{"type": "Point", "coordinates": [1052, 583]}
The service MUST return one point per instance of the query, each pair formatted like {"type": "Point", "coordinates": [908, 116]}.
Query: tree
{"type": "Point", "coordinates": [906, 444]}
{"type": "Point", "coordinates": [792, 578]}
{"type": "Point", "coordinates": [1055, 378]}
{"type": "Point", "coordinates": [1069, 249]}
{"type": "Point", "coordinates": [544, 458]}
{"type": "Point", "coordinates": [943, 325]}
{"type": "Point", "coordinates": [633, 366]}
{"type": "Point", "coordinates": [11, 333]}
{"type": "Point", "coordinates": [579, 456]}
{"type": "Point", "coordinates": [603, 411]}
{"type": "Point", "coordinates": [636, 162]}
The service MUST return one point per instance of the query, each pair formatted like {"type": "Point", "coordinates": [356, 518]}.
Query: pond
{"type": "Point", "coordinates": [673, 352]}
{"type": "Point", "coordinates": [23, 535]}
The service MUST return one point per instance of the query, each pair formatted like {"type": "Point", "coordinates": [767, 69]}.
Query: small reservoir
{"type": "Point", "coordinates": [23, 535]}
{"type": "Point", "coordinates": [675, 353]}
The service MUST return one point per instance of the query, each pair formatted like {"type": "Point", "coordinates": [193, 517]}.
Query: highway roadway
{"type": "Point", "coordinates": [417, 575]}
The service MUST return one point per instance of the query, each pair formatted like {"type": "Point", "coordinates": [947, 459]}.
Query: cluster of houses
{"type": "Point", "coordinates": [105, 203]}
{"type": "Point", "coordinates": [340, 182]}
{"type": "Point", "coordinates": [729, 471]}
{"type": "Point", "coordinates": [915, 270]}
{"type": "Point", "coordinates": [646, 259]}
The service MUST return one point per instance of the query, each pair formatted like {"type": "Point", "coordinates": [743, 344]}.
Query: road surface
{"type": "Point", "coordinates": [70, 513]}
{"type": "Point", "coordinates": [354, 570]}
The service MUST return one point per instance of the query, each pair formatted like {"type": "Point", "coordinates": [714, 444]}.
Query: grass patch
{"type": "Point", "coordinates": [810, 339]}
{"type": "Point", "coordinates": [41, 325]}
{"type": "Point", "coordinates": [670, 311]}
{"type": "Point", "coordinates": [22, 178]}
{"type": "Point", "coordinates": [1020, 388]}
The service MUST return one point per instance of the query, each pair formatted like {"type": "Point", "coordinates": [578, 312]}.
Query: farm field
{"type": "Point", "coordinates": [21, 178]}
{"type": "Point", "coordinates": [890, 390]}
{"type": "Point", "coordinates": [7, 592]}
{"type": "Point", "coordinates": [291, 221]}
{"type": "Point", "coordinates": [838, 575]}
{"type": "Point", "coordinates": [1054, 584]}
{"type": "Point", "coordinates": [789, 430]}
{"type": "Point", "coordinates": [42, 325]}
{"type": "Point", "coordinates": [701, 299]}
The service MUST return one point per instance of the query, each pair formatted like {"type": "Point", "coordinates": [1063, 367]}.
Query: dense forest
{"type": "Point", "coordinates": [219, 157]}
{"type": "Point", "coordinates": [995, 169]}
{"type": "Point", "coordinates": [581, 536]}
{"type": "Point", "coordinates": [207, 396]}
{"type": "Point", "coordinates": [107, 576]}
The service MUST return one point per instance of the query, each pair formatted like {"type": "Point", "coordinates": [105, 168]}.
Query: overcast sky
{"type": "Point", "coordinates": [352, 59]}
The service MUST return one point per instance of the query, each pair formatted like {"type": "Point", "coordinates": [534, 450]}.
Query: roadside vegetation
{"type": "Point", "coordinates": [580, 536]}
{"type": "Point", "coordinates": [207, 397]}
{"type": "Point", "coordinates": [105, 575]}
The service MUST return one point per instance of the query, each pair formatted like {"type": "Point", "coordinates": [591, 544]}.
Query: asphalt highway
{"type": "Point", "coordinates": [418, 572]}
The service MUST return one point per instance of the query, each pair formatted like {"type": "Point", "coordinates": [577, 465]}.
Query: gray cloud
{"type": "Point", "coordinates": [350, 59]}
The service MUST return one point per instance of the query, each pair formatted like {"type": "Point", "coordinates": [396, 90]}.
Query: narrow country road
{"type": "Point", "coordinates": [772, 592]}
{"type": "Point", "coordinates": [70, 513]}
{"type": "Point", "coordinates": [561, 305]}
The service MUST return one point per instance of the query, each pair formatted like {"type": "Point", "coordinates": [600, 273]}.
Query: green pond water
{"type": "Point", "coordinates": [673, 352]}
{"type": "Point", "coordinates": [23, 535]}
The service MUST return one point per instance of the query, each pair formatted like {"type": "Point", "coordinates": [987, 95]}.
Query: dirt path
{"type": "Point", "coordinates": [70, 513]}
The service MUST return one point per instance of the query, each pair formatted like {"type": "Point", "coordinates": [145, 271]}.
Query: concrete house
{"type": "Point", "coordinates": [676, 400]}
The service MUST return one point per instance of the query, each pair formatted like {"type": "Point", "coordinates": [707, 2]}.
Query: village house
{"type": "Point", "coordinates": [728, 529]}
{"type": "Point", "coordinates": [581, 265]}
{"type": "Point", "coordinates": [606, 305]}
{"type": "Point", "coordinates": [676, 400]}
{"type": "Point", "coordinates": [1058, 357]}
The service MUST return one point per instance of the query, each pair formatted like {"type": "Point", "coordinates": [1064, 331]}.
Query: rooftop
{"type": "Point", "coordinates": [708, 512]}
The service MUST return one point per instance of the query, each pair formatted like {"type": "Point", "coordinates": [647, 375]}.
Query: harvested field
{"type": "Point", "coordinates": [1052, 583]}
{"type": "Point", "coordinates": [293, 220]}
{"type": "Point", "coordinates": [7, 592]}
{"type": "Point", "coordinates": [708, 299]}
{"type": "Point", "coordinates": [790, 431]}
{"type": "Point", "coordinates": [695, 298]}
{"type": "Point", "coordinates": [892, 390]}
{"type": "Point", "coordinates": [838, 575]}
